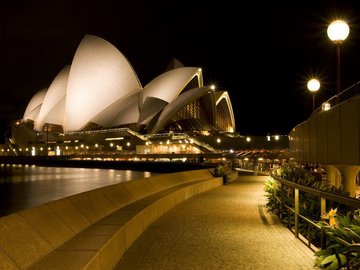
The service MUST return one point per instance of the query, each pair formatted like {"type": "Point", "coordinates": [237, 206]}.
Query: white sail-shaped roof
{"type": "Point", "coordinates": [128, 113]}
{"type": "Point", "coordinates": [223, 98]}
{"type": "Point", "coordinates": [99, 75]}
{"type": "Point", "coordinates": [179, 103]}
{"type": "Point", "coordinates": [52, 109]}
{"type": "Point", "coordinates": [121, 112]}
{"type": "Point", "coordinates": [33, 108]}
{"type": "Point", "coordinates": [164, 89]}
{"type": "Point", "coordinates": [169, 85]}
{"type": "Point", "coordinates": [101, 90]}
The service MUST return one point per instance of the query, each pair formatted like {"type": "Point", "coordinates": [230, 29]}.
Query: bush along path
{"type": "Point", "coordinates": [343, 242]}
{"type": "Point", "coordinates": [340, 224]}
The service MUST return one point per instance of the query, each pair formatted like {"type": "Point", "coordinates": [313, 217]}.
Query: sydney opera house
{"type": "Point", "coordinates": [98, 105]}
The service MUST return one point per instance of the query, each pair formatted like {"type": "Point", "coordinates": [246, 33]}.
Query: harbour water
{"type": "Point", "coordinates": [26, 186]}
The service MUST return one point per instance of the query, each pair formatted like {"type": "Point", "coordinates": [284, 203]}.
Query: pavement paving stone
{"type": "Point", "coordinates": [225, 228]}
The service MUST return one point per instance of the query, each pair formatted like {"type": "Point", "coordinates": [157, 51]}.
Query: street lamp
{"type": "Point", "coordinates": [338, 31]}
{"type": "Point", "coordinates": [313, 85]}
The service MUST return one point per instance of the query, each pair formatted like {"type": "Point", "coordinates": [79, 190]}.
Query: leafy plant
{"type": "Point", "coordinates": [219, 171]}
{"type": "Point", "coordinates": [309, 205]}
{"type": "Point", "coordinates": [343, 243]}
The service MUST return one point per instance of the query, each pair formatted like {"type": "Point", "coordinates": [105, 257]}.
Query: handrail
{"type": "Point", "coordinates": [320, 193]}
{"type": "Point", "coordinates": [323, 195]}
{"type": "Point", "coordinates": [346, 94]}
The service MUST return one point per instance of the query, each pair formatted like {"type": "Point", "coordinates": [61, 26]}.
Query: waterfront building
{"type": "Point", "coordinates": [98, 105]}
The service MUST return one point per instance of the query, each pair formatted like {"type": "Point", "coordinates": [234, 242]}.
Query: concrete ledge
{"type": "Point", "coordinates": [93, 229]}
{"type": "Point", "coordinates": [232, 176]}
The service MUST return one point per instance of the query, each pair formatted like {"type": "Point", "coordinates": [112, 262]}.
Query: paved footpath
{"type": "Point", "coordinates": [225, 228]}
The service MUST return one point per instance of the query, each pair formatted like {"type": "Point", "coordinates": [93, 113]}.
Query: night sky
{"type": "Point", "coordinates": [261, 52]}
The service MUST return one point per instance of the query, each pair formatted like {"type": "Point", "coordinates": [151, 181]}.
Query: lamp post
{"type": "Point", "coordinates": [313, 85]}
{"type": "Point", "coordinates": [338, 31]}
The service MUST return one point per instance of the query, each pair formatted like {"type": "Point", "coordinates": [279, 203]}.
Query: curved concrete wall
{"type": "Point", "coordinates": [329, 137]}
{"type": "Point", "coordinates": [28, 237]}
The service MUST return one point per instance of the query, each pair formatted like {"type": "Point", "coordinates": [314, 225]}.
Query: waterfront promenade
{"type": "Point", "coordinates": [225, 228]}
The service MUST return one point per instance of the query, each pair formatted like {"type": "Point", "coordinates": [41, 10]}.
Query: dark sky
{"type": "Point", "coordinates": [261, 52]}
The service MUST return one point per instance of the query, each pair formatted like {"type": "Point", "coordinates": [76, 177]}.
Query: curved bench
{"type": "Point", "coordinates": [92, 230]}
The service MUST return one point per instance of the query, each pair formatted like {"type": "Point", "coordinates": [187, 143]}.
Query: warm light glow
{"type": "Point", "coordinates": [326, 106]}
{"type": "Point", "coordinates": [313, 85]}
{"type": "Point", "coordinates": [338, 31]}
{"type": "Point", "coordinates": [277, 137]}
{"type": "Point", "coordinates": [248, 139]}
{"type": "Point", "coordinates": [114, 139]}
{"type": "Point", "coordinates": [218, 140]}
{"type": "Point", "coordinates": [212, 87]}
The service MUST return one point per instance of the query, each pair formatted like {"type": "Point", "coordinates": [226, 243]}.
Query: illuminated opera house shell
{"type": "Point", "coordinates": [101, 90]}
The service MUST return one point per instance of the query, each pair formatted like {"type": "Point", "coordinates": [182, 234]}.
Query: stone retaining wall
{"type": "Point", "coordinates": [92, 230]}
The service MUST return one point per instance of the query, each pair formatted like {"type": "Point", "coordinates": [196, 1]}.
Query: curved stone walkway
{"type": "Point", "coordinates": [225, 228]}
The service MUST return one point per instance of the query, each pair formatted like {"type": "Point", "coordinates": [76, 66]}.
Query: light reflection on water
{"type": "Point", "coordinates": [24, 186]}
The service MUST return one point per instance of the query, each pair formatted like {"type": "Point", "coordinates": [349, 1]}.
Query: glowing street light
{"type": "Point", "coordinates": [338, 31]}
{"type": "Point", "coordinates": [313, 85]}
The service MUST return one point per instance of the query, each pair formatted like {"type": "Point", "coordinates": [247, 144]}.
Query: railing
{"type": "Point", "coordinates": [323, 196]}
{"type": "Point", "coordinates": [348, 93]}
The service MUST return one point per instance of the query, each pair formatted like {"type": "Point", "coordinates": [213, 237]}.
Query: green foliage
{"type": "Point", "coordinates": [343, 243]}
{"type": "Point", "coordinates": [343, 240]}
{"type": "Point", "coordinates": [219, 171]}
{"type": "Point", "coordinates": [330, 262]}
